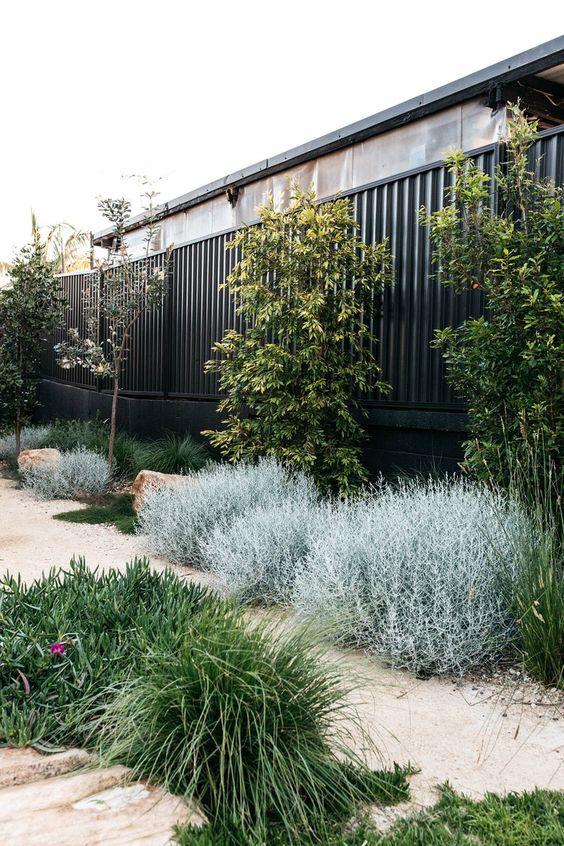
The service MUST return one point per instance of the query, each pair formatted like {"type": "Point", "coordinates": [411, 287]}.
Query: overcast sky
{"type": "Point", "coordinates": [92, 91]}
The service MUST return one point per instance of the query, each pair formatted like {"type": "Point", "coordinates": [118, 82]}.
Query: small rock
{"type": "Point", "coordinates": [147, 479]}
{"type": "Point", "coordinates": [31, 458]}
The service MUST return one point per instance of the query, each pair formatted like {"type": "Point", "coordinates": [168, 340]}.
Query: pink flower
{"type": "Point", "coordinates": [57, 649]}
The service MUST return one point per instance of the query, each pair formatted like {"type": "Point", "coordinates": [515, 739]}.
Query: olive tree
{"type": "Point", "coordinates": [121, 290]}
{"type": "Point", "coordinates": [30, 306]}
{"type": "Point", "coordinates": [307, 288]}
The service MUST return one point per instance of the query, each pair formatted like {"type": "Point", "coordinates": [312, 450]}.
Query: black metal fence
{"type": "Point", "coordinates": [169, 348]}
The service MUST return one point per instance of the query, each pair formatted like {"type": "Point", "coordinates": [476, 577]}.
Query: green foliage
{"type": "Point", "coordinates": [111, 510]}
{"type": "Point", "coordinates": [506, 364]}
{"type": "Point", "coordinates": [307, 289]}
{"type": "Point", "coordinates": [167, 677]}
{"type": "Point", "coordinates": [105, 621]}
{"type": "Point", "coordinates": [175, 454]}
{"type": "Point", "coordinates": [249, 724]}
{"type": "Point", "coordinates": [118, 294]}
{"type": "Point", "coordinates": [536, 596]}
{"type": "Point", "coordinates": [518, 819]}
{"type": "Point", "coordinates": [29, 307]}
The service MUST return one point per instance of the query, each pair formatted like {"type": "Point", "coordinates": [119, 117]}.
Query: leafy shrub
{"type": "Point", "coordinates": [77, 473]}
{"type": "Point", "coordinates": [104, 622]}
{"type": "Point", "coordinates": [247, 723]}
{"type": "Point", "coordinates": [256, 555]}
{"type": "Point", "coordinates": [415, 574]}
{"type": "Point", "coordinates": [307, 289]}
{"type": "Point", "coordinates": [507, 364]}
{"type": "Point", "coordinates": [177, 520]}
{"type": "Point", "coordinates": [32, 437]}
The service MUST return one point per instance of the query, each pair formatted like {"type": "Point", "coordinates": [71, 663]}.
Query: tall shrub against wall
{"type": "Point", "coordinates": [29, 307]}
{"type": "Point", "coordinates": [507, 364]}
{"type": "Point", "coordinates": [307, 287]}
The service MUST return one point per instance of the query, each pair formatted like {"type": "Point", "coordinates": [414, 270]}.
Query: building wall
{"type": "Point", "coordinates": [467, 126]}
{"type": "Point", "coordinates": [396, 441]}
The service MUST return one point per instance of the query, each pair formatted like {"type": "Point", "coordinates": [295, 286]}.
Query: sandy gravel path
{"type": "Point", "coordinates": [479, 735]}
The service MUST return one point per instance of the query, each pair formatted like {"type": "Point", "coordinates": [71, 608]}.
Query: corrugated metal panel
{"type": "Point", "coordinates": [417, 303]}
{"type": "Point", "coordinates": [73, 286]}
{"type": "Point", "coordinates": [169, 348]}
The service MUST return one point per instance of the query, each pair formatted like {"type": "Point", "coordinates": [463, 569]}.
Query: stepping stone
{"type": "Point", "coordinates": [59, 806]}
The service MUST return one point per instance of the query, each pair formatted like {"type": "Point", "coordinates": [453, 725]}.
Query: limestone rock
{"type": "Point", "coordinates": [147, 479]}
{"type": "Point", "coordinates": [28, 459]}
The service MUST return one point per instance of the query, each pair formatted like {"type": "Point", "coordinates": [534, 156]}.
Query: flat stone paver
{"type": "Point", "coordinates": [49, 802]}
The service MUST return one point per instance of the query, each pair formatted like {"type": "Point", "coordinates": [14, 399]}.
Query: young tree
{"type": "Point", "coordinates": [307, 287]}
{"type": "Point", "coordinates": [117, 295]}
{"type": "Point", "coordinates": [506, 364]}
{"type": "Point", "coordinates": [30, 306]}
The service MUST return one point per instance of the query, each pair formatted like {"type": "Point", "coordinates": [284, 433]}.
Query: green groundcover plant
{"type": "Point", "coordinates": [535, 818]}
{"type": "Point", "coordinates": [169, 679]}
{"type": "Point", "coordinates": [73, 633]}
{"type": "Point", "coordinates": [506, 364]}
{"type": "Point", "coordinates": [111, 509]}
{"type": "Point", "coordinates": [307, 288]}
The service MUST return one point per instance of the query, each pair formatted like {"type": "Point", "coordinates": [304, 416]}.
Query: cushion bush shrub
{"type": "Point", "coordinates": [32, 437]}
{"type": "Point", "coordinates": [172, 454]}
{"type": "Point", "coordinates": [177, 520]}
{"type": "Point", "coordinates": [415, 573]}
{"type": "Point", "coordinates": [255, 555]}
{"type": "Point", "coordinates": [79, 472]}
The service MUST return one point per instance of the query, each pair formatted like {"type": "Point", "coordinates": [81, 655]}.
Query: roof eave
{"type": "Point", "coordinates": [529, 62]}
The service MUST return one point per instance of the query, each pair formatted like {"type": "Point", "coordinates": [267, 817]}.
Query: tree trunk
{"type": "Point", "coordinates": [18, 432]}
{"type": "Point", "coordinates": [113, 423]}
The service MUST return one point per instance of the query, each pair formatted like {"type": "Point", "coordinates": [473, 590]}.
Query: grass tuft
{"type": "Point", "coordinates": [250, 725]}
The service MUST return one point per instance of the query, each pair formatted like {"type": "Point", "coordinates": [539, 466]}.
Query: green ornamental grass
{"type": "Point", "coordinates": [250, 724]}
{"type": "Point", "coordinates": [166, 677]}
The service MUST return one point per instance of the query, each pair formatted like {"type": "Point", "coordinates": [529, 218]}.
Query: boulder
{"type": "Point", "coordinates": [28, 459]}
{"type": "Point", "coordinates": [147, 479]}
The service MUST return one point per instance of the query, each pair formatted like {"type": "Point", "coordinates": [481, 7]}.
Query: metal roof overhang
{"type": "Point", "coordinates": [532, 61]}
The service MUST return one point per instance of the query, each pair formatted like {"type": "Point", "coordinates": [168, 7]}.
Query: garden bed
{"type": "Point", "coordinates": [496, 734]}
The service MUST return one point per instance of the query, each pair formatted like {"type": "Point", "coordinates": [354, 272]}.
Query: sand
{"type": "Point", "coordinates": [480, 735]}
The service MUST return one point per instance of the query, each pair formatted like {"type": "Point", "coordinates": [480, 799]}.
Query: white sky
{"type": "Point", "coordinates": [189, 91]}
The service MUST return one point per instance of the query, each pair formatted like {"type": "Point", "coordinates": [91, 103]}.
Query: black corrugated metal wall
{"type": "Point", "coordinates": [169, 348]}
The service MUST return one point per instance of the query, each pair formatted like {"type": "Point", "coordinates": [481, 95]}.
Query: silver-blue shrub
{"type": "Point", "coordinates": [415, 574]}
{"type": "Point", "coordinates": [32, 437]}
{"type": "Point", "coordinates": [256, 555]}
{"type": "Point", "coordinates": [78, 472]}
{"type": "Point", "coordinates": [178, 520]}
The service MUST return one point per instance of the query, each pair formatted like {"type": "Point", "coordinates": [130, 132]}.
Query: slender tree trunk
{"type": "Point", "coordinates": [18, 427]}
{"type": "Point", "coordinates": [18, 432]}
{"type": "Point", "coordinates": [113, 423]}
